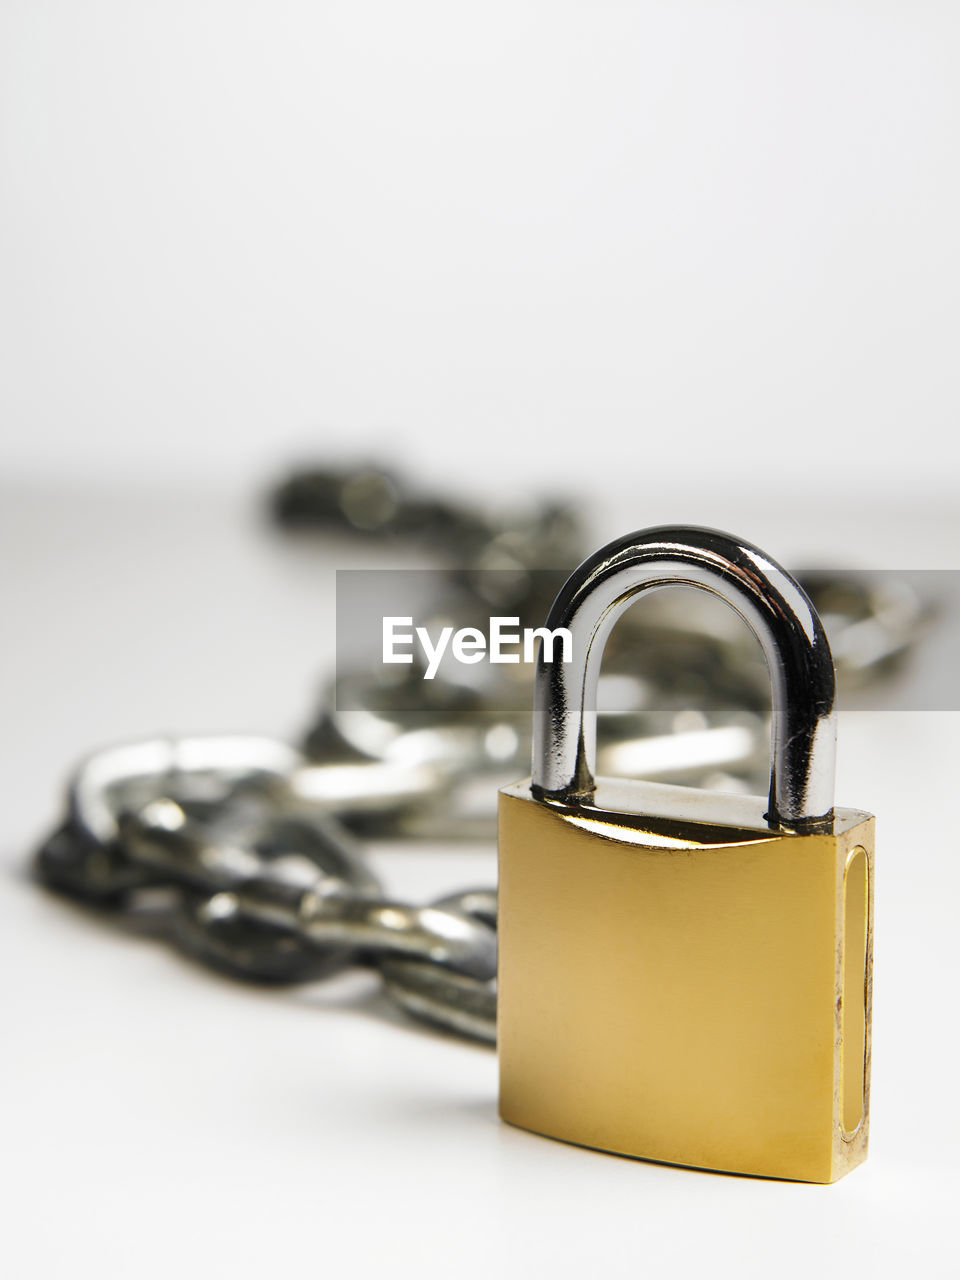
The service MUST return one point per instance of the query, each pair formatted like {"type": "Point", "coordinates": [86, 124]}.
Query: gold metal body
{"type": "Point", "coordinates": [680, 983]}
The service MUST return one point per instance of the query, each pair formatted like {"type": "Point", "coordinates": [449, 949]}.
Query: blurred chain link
{"type": "Point", "coordinates": [212, 838]}
{"type": "Point", "coordinates": [244, 851]}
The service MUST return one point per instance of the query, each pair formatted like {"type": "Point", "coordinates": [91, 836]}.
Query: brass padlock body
{"type": "Point", "coordinates": [679, 982]}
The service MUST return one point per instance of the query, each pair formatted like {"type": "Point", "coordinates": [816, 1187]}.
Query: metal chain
{"type": "Point", "coordinates": [209, 834]}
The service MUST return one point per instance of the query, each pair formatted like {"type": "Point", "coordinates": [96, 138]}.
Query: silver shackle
{"type": "Point", "coordinates": [774, 606]}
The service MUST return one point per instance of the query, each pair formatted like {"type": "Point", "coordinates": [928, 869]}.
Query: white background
{"type": "Point", "coordinates": [686, 261]}
{"type": "Point", "coordinates": [701, 242]}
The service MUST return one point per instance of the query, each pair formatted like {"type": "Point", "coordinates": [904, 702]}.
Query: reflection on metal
{"type": "Point", "coordinates": [260, 882]}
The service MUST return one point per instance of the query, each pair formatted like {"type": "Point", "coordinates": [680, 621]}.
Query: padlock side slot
{"type": "Point", "coordinates": [856, 906]}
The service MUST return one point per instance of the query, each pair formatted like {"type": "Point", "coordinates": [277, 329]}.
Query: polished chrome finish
{"type": "Point", "coordinates": [262, 885]}
{"type": "Point", "coordinates": [774, 606]}
{"type": "Point", "coordinates": [460, 1002]}
{"type": "Point", "coordinates": [228, 760]}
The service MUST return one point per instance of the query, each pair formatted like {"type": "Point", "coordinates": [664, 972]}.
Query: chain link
{"type": "Point", "coordinates": [259, 887]}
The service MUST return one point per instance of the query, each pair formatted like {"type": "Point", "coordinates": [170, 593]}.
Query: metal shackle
{"type": "Point", "coordinates": [771, 602]}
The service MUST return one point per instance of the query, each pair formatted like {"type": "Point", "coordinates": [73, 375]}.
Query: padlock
{"type": "Point", "coordinates": [686, 976]}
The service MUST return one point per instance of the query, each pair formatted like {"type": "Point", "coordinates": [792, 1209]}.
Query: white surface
{"type": "Point", "coordinates": [700, 238]}
{"type": "Point", "coordinates": [158, 1120]}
